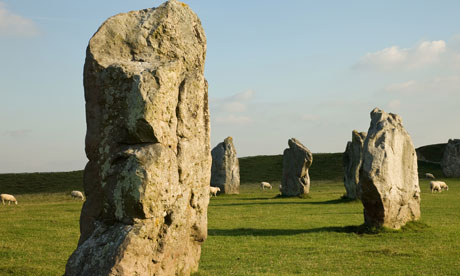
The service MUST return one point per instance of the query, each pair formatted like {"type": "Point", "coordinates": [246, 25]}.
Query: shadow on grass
{"type": "Point", "coordinates": [355, 229]}
{"type": "Point", "coordinates": [279, 232]}
{"type": "Point", "coordinates": [273, 202]}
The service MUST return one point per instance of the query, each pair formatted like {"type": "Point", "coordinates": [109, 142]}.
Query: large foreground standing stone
{"type": "Point", "coordinates": [388, 178]}
{"type": "Point", "coordinates": [297, 159]}
{"type": "Point", "coordinates": [225, 169]}
{"type": "Point", "coordinates": [352, 159]}
{"type": "Point", "coordinates": [450, 163]}
{"type": "Point", "coordinates": [147, 141]}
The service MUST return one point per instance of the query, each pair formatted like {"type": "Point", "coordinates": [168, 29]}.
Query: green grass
{"type": "Point", "coordinates": [258, 234]}
{"type": "Point", "coordinates": [254, 233]}
{"type": "Point", "coordinates": [38, 234]}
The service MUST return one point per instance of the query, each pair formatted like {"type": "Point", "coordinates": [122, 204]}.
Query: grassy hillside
{"type": "Point", "coordinates": [27, 183]}
{"type": "Point", "coordinates": [326, 166]}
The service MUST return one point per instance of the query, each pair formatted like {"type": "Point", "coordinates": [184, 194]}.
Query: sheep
{"type": "Point", "coordinates": [436, 186]}
{"type": "Point", "coordinates": [443, 185]}
{"type": "Point", "coordinates": [264, 185]}
{"type": "Point", "coordinates": [214, 190]}
{"type": "Point", "coordinates": [429, 176]}
{"type": "Point", "coordinates": [77, 194]}
{"type": "Point", "coordinates": [9, 198]}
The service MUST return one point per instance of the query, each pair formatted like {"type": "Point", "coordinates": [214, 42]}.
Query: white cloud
{"type": "Point", "coordinates": [310, 117]}
{"type": "Point", "coordinates": [234, 107]}
{"type": "Point", "coordinates": [243, 96]}
{"type": "Point", "coordinates": [394, 104]}
{"type": "Point", "coordinates": [231, 110]}
{"type": "Point", "coordinates": [236, 103]}
{"type": "Point", "coordinates": [17, 134]}
{"type": "Point", "coordinates": [233, 120]}
{"type": "Point", "coordinates": [402, 87]}
{"type": "Point", "coordinates": [424, 54]}
{"type": "Point", "coordinates": [15, 25]}
{"type": "Point", "coordinates": [447, 85]}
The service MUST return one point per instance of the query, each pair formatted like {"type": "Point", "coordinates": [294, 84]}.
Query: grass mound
{"type": "Point", "coordinates": [31, 183]}
{"type": "Point", "coordinates": [326, 166]}
{"type": "Point", "coordinates": [432, 153]}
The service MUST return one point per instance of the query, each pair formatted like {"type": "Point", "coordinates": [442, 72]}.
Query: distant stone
{"type": "Point", "coordinates": [450, 163]}
{"type": "Point", "coordinates": [147, 141]}
{"type": "Point", "coordinates": [297, 159]}
{"type": "Point", "coordinates": [389, 177]}
{"type": "Point", "coordinates": [352, 159]}
{"type": "Point", "coordinates": [225, 169]}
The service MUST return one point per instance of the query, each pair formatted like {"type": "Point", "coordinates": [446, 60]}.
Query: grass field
{"type": "Point", "coordinates": [253, 233]}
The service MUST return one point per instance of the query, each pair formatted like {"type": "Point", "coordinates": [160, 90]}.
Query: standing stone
{"type": "Point", "coordinates": [388, 176]}
{"type": "Point", "coordinates": [450, 163]}
{"type": "Point", "coordinates": [225, 169]}
{"type": "Point", "coordinates": [297, 159]}
{"type": "Point", "coordinates": [147, 141]}
{"type": "Point", "coordinates": [352, 159]}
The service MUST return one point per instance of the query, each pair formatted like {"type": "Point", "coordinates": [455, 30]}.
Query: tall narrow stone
{"type": "Point", "coordinates": [225, 172]}
{"type": "Point", "coordinates": [388, 176]}
{"type": "Point", "coordinates": [352, 159]}
{"type": "Point", "coordinates": [297, 159]}
{"type": "Point", "coordinates": [147, 141]}
{"type": "Point", "coordinates": [450, 163]}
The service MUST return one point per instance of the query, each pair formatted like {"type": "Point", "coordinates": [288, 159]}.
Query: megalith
{"type": "Point", "coordinates": [297, 159]}
{"type": "Point", "coordinates": [148, 145]}
{"type": "Point", "coordinates": [225, 169]}
{"type": "Point", "coordinates": [450, 162]}
{"type": "Point", "coordinates": [388, 175]}
{"type": "Point", "coordinates": [352, 159]}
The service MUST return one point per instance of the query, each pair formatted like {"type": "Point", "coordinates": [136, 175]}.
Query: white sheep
{"type": "Point", "coordinates": [9, 198]}
{"type": "Point", "coordinates": [264, 185]}
{"type": "Point", "coordinates": [213, 191]}
{"type": "Point", "coordinates": [436, 186]}
{"type": "Point", "coordinates": [443, 185]}
{"type": "Point", "coordinates": [429, 176]}
{"type": "Point", "coordinates": [77, 194]}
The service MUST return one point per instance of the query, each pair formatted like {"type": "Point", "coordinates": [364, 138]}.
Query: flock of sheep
{"type": "Point", "coordinates": [436, 186]}
{"type": "Point", "coordinates": [10, 198]}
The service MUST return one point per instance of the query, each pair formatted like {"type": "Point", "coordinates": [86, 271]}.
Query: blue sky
{"type": "Point", "coordinates": [276, 69]}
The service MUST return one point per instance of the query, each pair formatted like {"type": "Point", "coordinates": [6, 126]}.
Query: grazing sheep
{"type": "Point", "coordinates": [443, 185]}
{"type": "Point", "coordinates": [436, 186]}
{"type": "Point", "coordinates": [77, 194]}
{"type": "Point", "coordinates": [9, 198]}
{"type": "Point", "coordinates": [429, 176]}
{"type": "Point", "coordinates": [214, 190]}
{"type": "Point", "coordinates": [264, 185]}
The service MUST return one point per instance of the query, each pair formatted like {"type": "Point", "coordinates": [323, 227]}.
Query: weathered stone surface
{"type": "Point", "coordinates": [147, 141]}
{"type": "Point", "coordinates": [297, 159]}
{"type": "Point", "coordinates": [388, 176]}
{"type": "Point", "coordinates": [450, 163]}
{"type": "Point", "coordinates": [352, 159]}
{"type": "Point", "coordinates": [225, 169]}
